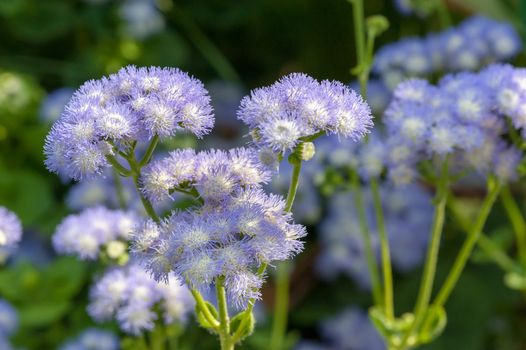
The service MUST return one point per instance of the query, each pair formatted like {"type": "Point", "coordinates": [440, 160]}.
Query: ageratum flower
{"type": "Point", "coordinates": [215, 173]}
{"type": "Point", "coordinates": [407, 211]}
{"type": "Point", "coordinates": [110, 114]}
{"type": "Point", "coordinates": [129, 295]}
{"type": "Point", "coordinates": [87, 233]}
{"type": "Point", "coordinates": [464, 116]}
{"type": "Point", "coordinates": [92, 339]}
{"type": "Point", "coordinates": [10, 229]}
{"type": "Point", "coordinates": [298, 106]}
{"type": "Point", "coordinates": [474, 43]}
{"type": "Point", "coordinates": [237, 229]}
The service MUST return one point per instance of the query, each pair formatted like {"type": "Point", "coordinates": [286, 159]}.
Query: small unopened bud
{"type": "Point", "coordinates": [307, 150]}
{"type": "Point", "coordinates": [377, 24]}
{"type": "Point", "coordinates": [115, 249]}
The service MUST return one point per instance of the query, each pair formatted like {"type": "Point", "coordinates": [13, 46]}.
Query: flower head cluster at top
{"type": "Point", "coordinates": [87, 233]}
{"type": "Point", "coordinates": [237, 228]}
{"type": "Point", "coordinates": [297, 106]}
{"type": "Point", "coordinates": [92, 339]}
{"type": "Point", "coordinates": [476, 42]}
{"type": "Point", "coordinates": [464, 115]}
{"type": "Point", "coordinates": [111, 114]}
{"type": "Point", "coordinates": [131, 296]}
{"type": "Point", "coordinates": [408, 215]}
{"type": "Point", "coordinates": [10, 229]}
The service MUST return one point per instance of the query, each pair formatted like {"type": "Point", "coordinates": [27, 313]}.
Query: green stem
{"type": "Point", "coordinates": [224, 319]}
{"type": "Point", "coordinates": [119, 189]}
{"type": "Point", "coordinates": [149, 151]}
{"type": "Point", "coordinates": [366, 235]}
{"type": "Point", "coordinates": [443, 14]}
{"type": "Point", "coordinates": [426, 285]}
{"type": "Point", "coordinates": [386, 255]}
{"type": "Point", "coordinates": [201, 304]}
{"type": "Point", "coordinates": [120, 168]}
{"type": "Point", "coordinates": [472, 238]}
{"type": "Point", "coordinates": [486, 244]}
{"type": "Point", "coordinates": [145, 201]}
{"type": "Point", "coordinates": [517, 221]}
{"type": "Point", "coordinates": [279, 325]}
{"type": "Point", "coordinates": [293, 188]}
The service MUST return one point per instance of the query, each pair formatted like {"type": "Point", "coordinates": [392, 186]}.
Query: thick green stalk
{"type": "Point", "coordinates": [472, 238]}
{"type": "Point", "coordinates": [426, 285]}
{"type": "Point", "coordinates": [385, 253]}
{"type": "Point", "coordinates": [486, 244]}
{"type": "Point", "coordinates": [366, 235]}
{"type": "Point", "coordinates": [224, 319]}
{"type": "Point", "coordinates": [517, 221]}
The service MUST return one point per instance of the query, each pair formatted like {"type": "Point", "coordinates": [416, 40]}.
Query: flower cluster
{"type": "Point", "coordinates": [111, 114]}
{"type": "Point", "coordinates": [8, 323]}
{"type": "Point", "coordinates": [87, 233]}
{"type": "Point", "coordinates": [92, 339]}
{"type": "Point", "coordinates": [297, 106]}
{"type": "Point", "coordinates": [129, 295]}
{"type": "Point", "coordinates": [10, 229]}
{"type": "Point", "coordinates": [215, 173]}
{"type": "Point", "coordinates": [464, 115]}
{"type": "Point", "coordinates": [408, 216]}
{"type": "Point", "coordinates": [474, 43]}
{"type": "Point", "coordinates": [237, 229]}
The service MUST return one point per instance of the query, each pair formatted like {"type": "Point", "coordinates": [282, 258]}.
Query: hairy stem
{"type": "Point", "coordinates": [224, 319]}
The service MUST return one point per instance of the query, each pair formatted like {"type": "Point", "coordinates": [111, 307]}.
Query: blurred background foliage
{"type": "Point", "coordinates": [51, 44]}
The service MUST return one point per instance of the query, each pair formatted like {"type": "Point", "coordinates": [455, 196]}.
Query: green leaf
{"type": "Point", "coordinates": [42, 313]}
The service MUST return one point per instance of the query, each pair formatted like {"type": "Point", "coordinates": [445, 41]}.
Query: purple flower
{"type": "Point", "coordinates": [298, 106]}
{"type": "Point", "coordinates": [133, 105]}
{"type": "Point", "coordinates": [134, 299]}
{"type": "Point", "coordinates": [10, 228]}
{"type": "Point", "coordinates": [85, 234]}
